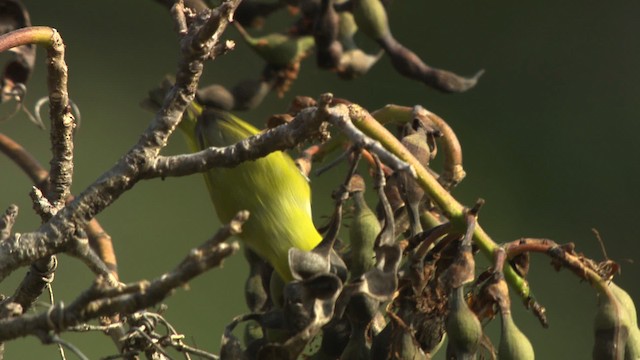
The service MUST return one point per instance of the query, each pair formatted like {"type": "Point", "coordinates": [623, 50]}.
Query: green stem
{"type": "Point", "coordinates": [445, 201]}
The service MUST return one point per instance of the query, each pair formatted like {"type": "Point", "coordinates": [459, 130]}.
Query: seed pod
{"type": "Point", "coordinates": [381, 343]}
{"type": "Point", "coordinates": [632, 349]}
{"type": "Point", "coordinates": [361, 311]}
{"type": "Point", "coordinates": [335, 337]}
{"type": "Point", "coordinates": [252, 13]}
{"type": "Point", "coordinates": [371, 18]}
{"type": "Point", "coordinates": [611, 327]}
{"type": "Point", "coordinates": [357, 348]}
{"type": "Point", "coordinates": [405, 346]}
{"type": "Point", "coordinates": [355, 63]}
{"type": "Point", "coordinates": [248, 94]}
{"type": "Point", "coordinates": [215, 96]}
{"type": "Point", "coordinates": [276, 49]}
{"type": "Point", "coordinates": [363, 230]}
{"type": "Point", "coordinates": [347, 29]}
{"type": "Point", "coordinates": [276, 287]}
{"type": "Point", "coordinates": [255, 287]}
{"type": "Point", "coordinates": [415, 140]}
{"type": "Point", "coordinates": [325, 34]}
{"type": "Point", "coordinates": [252, 332]}
{"type": "Point", "coordinates": [463, 327]}
{"type": "Point", "coordinates": [514, 345]}
{"type": "Point", "coordinates": [626, 301]}
{"type": "Point", "coordinates": [408, 64]}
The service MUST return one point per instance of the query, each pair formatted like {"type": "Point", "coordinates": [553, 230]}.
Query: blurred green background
{"type": "Point", "coordinates": [549, 138]}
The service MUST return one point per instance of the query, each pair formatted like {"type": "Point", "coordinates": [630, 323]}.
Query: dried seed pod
{"type": "Point", "coordinates": [414, 140]}
{"type": "Point", "coordinates": [325, 34]}
{"type": "Point", "coordinates": [408, 64]}
{"type": "Point", "coordinates": [363, 230]}
{"type": "Point", "coordinates": [276, 49]}
{"type": "Point", "coordinates": [335, 337]}
{"type": "Point", "coordinates": [463, 328]}
{"type": "Point", "coordinates": [257, 283]}
{"type": "Point", "coordinates": [514, 345]}
{"type": "Point", "coordinates": [611, 327]}
{"type": "Point", "coordinates": [355, 63]}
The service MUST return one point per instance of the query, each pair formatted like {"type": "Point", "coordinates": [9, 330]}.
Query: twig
{"type": "Point", "coordinates": [53, 236]}
{"type": "Point", "coordinates": [451, 208]}
{"type": "Point", "coordinates": [7, 220]}
{"type": "Point", "coordinates": [99, 240]}
{"type": "Point", "coordinates": [105, 301]}
{"type": "Point", "coordinates": [63, 343]}
{"type": "Point", "coordinates": [62, 123]}
{"type": "Point", "coordinates": [24, 159]}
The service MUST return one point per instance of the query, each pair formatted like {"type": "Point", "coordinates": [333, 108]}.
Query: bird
{"type": "Point", "coordinates": [273, 190]}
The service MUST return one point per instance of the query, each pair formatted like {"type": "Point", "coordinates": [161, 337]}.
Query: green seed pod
{"type": "Point", "coordinates": [405, 346]}
{"type": "Point", "coordinates": [626, 301]}
{"type": "Point", "coordinates": [371, 18]}
{"type": "Point", "coordinates": [362, 233]}
{"type": "Point", "coordinates": [278, 50]}
{"type": "Point", "coordinates": [611, 328]}
{"type": "Point", "coordinates": [347, 29]}
{"type": "Point", "coordinates": [463, 327]}
{"type": "Point", "coordinates": [632, 350]}
{"type": "Point", "coordinates": [514, 345]}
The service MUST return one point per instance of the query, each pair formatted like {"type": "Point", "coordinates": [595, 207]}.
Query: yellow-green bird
{"type": "Point", "coordinates": [272, 188]}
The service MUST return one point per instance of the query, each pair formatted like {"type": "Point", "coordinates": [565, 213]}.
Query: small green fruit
{"type": "Point", "coordinates": [611, 328]}
{"type": "Point", "coordinates": [362, 233]}
{"type": "Point", "coordinates": [514, 345]}
{"type": "Point", "coordinates": [463, 327]}
{"type": "Point", "coordinates": [371, 18]}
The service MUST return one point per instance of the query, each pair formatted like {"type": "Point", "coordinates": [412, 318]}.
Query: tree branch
{"type": "Point", "coordinates": [103, 300]}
